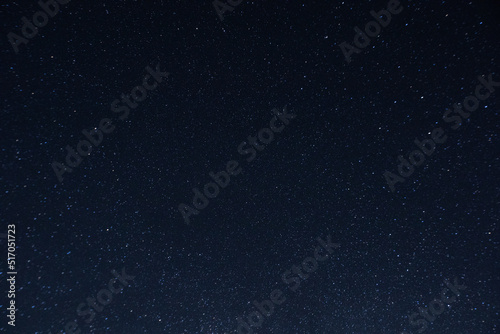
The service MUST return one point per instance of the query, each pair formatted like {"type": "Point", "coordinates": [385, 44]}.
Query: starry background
{"type": "Point", "coordinates": [323, 175]}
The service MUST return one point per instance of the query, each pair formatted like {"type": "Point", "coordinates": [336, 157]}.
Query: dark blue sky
{"type": "Point", "coordinates": [322, 175]}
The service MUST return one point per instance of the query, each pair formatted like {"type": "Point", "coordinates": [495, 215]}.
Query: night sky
{"type": "Point", "coordinates": [296, 135]}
